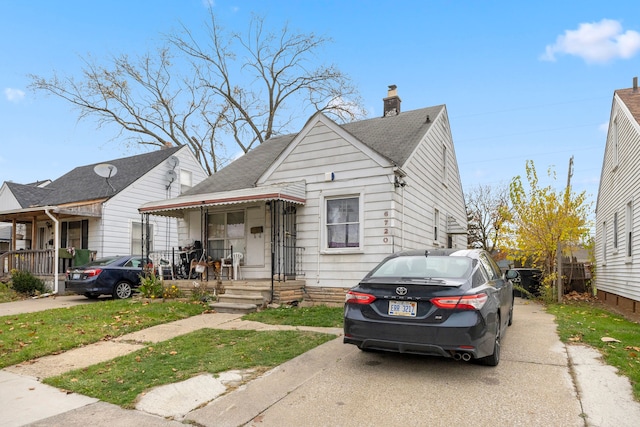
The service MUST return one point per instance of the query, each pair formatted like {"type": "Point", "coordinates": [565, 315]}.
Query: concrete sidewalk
{"type": "Point", "coordinates": [604, 397]}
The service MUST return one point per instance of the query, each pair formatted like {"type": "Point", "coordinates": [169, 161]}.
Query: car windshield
{"type": "Point", "coordinates": [446, 267]}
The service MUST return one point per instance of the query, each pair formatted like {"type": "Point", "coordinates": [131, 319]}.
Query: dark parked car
{"type": "Point", "coordinates": [450, 303]}
{"type": "Point", "coordinates": [116, 276]}
{"type": "Point", "coordinates": [529, 280]}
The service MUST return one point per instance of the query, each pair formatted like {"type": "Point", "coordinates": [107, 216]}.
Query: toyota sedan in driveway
{"type": "Point", "coordinates": [450, 303]}
{"type": "Point", "coordinates": [117, 276]}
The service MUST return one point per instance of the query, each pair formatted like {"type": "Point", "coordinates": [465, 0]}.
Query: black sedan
{"type": "Point", "coordinates": [116, 276]}
{"type": "Point", "coordinates": [449, 303]}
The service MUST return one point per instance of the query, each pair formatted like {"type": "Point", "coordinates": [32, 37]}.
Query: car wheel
{"type": "Point", "coordinates": [493, 359]}
{"type": "Point", "coordinates": [122, 290]}
{"type": "Point", "coordinates": [91, 296]}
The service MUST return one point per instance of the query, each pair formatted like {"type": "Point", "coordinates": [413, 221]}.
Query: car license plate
{"type": "Point", "coordinates": [75, 276]}
{"type": "Point", "coordinates": [403, 308]}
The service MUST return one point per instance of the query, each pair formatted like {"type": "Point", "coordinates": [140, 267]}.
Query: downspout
{"type": "Point", "coordinates": [55, 250]}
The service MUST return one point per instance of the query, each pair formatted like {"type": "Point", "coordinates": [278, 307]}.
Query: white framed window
{"type": "Point", "coordinates": [615, 231]}
{"type": "Point", "coordinates": [136, 237]}
{"type": "Point", "coordinates": [224, 231]}
{"type": "Point", "coordinates": [444, 164]}
{"type": "Point", "coordinates": [186, 180]}
{"type": "Point", "coordinates": [604, 243]}
{"type": "Point", "coordinates": [628, 230]}
{"type": "Point", "coordinates": [436, 224]}
{"type": "Point", "coordinates": [342, 223]}
{"type": "Point", "coordinates": [614, 142]}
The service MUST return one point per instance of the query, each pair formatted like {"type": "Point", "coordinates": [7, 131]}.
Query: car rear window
{"type": "Point", "coordinates": [104, 261]}
{"type": "Point", "coordinates": [446, 267]}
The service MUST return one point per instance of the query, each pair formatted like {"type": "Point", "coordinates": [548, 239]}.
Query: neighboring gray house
{"type": "Point", "coordinates": [94, 208]}
{"type": "Point", "coordinates": [617, 216]}
{"type": "Point", "coordinates": [327, 204]}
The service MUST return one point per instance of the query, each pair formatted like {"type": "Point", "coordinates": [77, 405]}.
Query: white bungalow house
{"type": "Point", "coordinates": [617, 218]}
{"type": "Point", "coordinates": [94, 210]}
{"type": "Point", "coordinates": [327, 204]}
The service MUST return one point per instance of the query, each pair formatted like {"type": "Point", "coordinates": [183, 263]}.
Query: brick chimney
{"type": "Point", "coordinates": [392, 102]}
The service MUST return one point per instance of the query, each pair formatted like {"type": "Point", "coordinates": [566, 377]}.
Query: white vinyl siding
{"type": "Point", "coordinates": [113, 235]}
{"type": "Point", "coordinates": [628, 233]}
{"type": "Point", "coordinates": [619, 186]}
{"type": "Point", "coordinates": [390, 219]}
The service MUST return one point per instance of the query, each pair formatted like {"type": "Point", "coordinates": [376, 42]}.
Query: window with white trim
{"type": "Point", "coordinates": [436, 223]}
{"type": "Point", "coordinates": [614, 141]}
{"type": "Point", "coordinates": [226, 230]}
{"type": "Point", "coordinates": [343, 222]}
{"type": "Point", "coordinates": [444, 164]}
{"type": "Point", "coordinates": [615, 231]}
{"type": "Point", "coordinates": [628, 227]}
{"type": "Point", "coordinates": [604, 242]}
{"type": "Point", "coordinates": [136, 238]}
{"type": "Point", "coordinates": [186, 180]}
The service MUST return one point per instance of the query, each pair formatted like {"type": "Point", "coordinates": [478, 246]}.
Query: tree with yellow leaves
{"type": "Point", "coordinates": [544, 219]}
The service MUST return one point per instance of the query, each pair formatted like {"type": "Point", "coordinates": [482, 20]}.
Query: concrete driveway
{"type": "Point", "coordinates": [531, 386]}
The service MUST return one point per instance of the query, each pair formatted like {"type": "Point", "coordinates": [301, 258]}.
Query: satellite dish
{"type": "Point", "coordinates": [174, 162]}
{"type": "Point", "coordinates": [105, 170]}
{"type": "Point", "coordinates": [171, 176]}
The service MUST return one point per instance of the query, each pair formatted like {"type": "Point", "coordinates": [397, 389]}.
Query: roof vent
{"type": "Point", "coordinates": [392, 102]}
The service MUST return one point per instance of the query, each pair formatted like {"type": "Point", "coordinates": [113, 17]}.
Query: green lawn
{"type": "Point", "coordinates": [31, 335]}
{"type": "Point", "coordinates": [121, 380]}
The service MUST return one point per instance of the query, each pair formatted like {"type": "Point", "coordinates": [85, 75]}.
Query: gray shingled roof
{"type": "Point", "coordinates": [394, 137]}
{"type": "Point", "coordinates": [27, 195]}
{"type": "Point", "coordinates": [82, 183]}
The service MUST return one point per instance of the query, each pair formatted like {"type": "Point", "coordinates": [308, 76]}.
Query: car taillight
{"type": "Point", "coordinates": [92, 272]}
{"type": "Point", "coordinates": [358, 298]}
{"type": "Point", "coordinates": [466, 302]}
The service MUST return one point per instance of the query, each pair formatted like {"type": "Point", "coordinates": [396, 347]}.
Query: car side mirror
{"type": "Point", "coordinates": [510, 274]}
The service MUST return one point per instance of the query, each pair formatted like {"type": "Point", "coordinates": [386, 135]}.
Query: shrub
{"type": "Point", "coordinates": [151, 286]}
{"type": "Point", "coordinates": [171, 292]}
{"type": "Point", "coordinates": [26, 283]}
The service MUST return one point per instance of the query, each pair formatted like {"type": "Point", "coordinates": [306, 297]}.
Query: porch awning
{"type": "Point", "coordinates": [38, 213]}
{"type": "Point", "coordinates": [294, 192]}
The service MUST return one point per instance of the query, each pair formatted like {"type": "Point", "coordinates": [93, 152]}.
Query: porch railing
{"type": "Point", "coordinates": [37, 262]}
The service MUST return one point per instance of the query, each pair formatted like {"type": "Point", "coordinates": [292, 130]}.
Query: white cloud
{"type": "Point", "coordinates": [604, 127]}
{"type": "Point", "coordinates": [596, 42]}
{"type": "Point", "coordinates": [13, 95]}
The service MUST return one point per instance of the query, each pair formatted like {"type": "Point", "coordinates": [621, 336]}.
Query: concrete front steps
{"type": "Point", "coordinates": [249, 296]}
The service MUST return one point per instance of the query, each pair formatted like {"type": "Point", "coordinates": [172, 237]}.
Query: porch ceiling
{"type": "Point", "coordinates": [290, 192]}
{"type": "Point", "coordinates": [28, 215]}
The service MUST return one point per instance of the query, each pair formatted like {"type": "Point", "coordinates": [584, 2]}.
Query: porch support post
{"type": "Point", "coordinates": [34, 233]}
{"type": "Point", "coordinates": [13, 235]}
{"type": "Point", "coordinates": [56, 243]}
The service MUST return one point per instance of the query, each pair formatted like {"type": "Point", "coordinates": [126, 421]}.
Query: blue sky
{"type": "Point", "coordinates": [521, 80]}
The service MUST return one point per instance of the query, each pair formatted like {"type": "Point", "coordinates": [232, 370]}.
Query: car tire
{"type": "Point", "coordinates": [91, 296]}
{"type": "Point", "coordinates": [494, 358]}
{"type": "Point", "coordinates": [122, 290]}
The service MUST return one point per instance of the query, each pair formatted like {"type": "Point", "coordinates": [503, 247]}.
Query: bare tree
{"type": "Point", "coordinates": [240, 88]}
{"type": "Point", "coordinates": [487, 214]}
